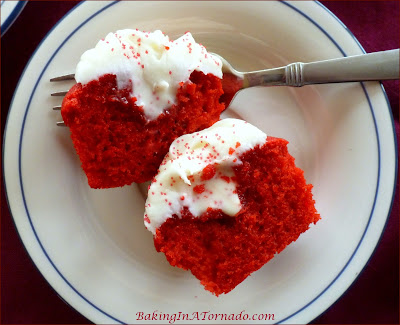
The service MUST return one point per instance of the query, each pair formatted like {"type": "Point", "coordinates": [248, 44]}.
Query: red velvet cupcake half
{"type": "Point", "coordinates": [137, 92]}
{"type": "Point", "coordinates": [226, 200]}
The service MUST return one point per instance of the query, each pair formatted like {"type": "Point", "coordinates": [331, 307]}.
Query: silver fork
{"type": "Point", "coordinates": [365, 67]}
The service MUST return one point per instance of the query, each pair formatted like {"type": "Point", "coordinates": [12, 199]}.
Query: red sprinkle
{"type": "Point", "coordinates": [226, 179]}
{"type": "Point", "coordinates": [199, 189]}
{"type": "Point", "coordinates": [208, 172]}
{"type": "Point", "coordinates": [231, 150]}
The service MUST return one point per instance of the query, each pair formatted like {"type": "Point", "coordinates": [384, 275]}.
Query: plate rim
{"type": "Point", "coordinates": [16, 11]}
{"type": "Point", "coordinates": [365, 93]}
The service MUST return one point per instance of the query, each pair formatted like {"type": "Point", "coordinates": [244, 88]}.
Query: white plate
{"type": "Point", "coordinates": [91, 245]}
{"type": "Point", "coordinates": [10, 10]}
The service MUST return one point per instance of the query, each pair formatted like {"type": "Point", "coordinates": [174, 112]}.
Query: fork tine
{"type": "Point", "coordinates": [64, 77]}
{"type": "Point", "coordinates": [59, 93]}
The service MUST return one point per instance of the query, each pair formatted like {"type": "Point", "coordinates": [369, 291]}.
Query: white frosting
{"type": "Point", "coordinates": [153, 64]}
{"type": "Point", "coordinates": [180, 181]}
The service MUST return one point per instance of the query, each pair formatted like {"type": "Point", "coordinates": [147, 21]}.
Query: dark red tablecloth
{"type": "Point", "coordinates": [27, 298]}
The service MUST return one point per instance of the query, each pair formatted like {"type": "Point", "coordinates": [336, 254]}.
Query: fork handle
{"type": "Point", "coordinates": [374, 66]}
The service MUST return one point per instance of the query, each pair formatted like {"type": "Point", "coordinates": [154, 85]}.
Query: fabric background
{"type": "Point", "coordinates": [27, 298]}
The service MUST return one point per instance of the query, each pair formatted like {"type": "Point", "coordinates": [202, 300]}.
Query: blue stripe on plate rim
{"type": "Point", "coordinates": [11, 18]}
{"type": "Point", "coordinates": [288, 5]}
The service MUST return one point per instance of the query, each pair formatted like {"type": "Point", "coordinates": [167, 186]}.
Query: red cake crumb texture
{"type": "Point", "coordinates": [230, 85]}
{"type": "Point", "coordinates": [116, 144]}
{"type": "Point", "coordinates": [222, 251]}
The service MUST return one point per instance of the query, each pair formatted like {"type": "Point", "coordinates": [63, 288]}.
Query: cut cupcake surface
{"type": "Point", "coordinates": [136, 93]}
{"type": "Point", "coordinates": [223, 241]}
